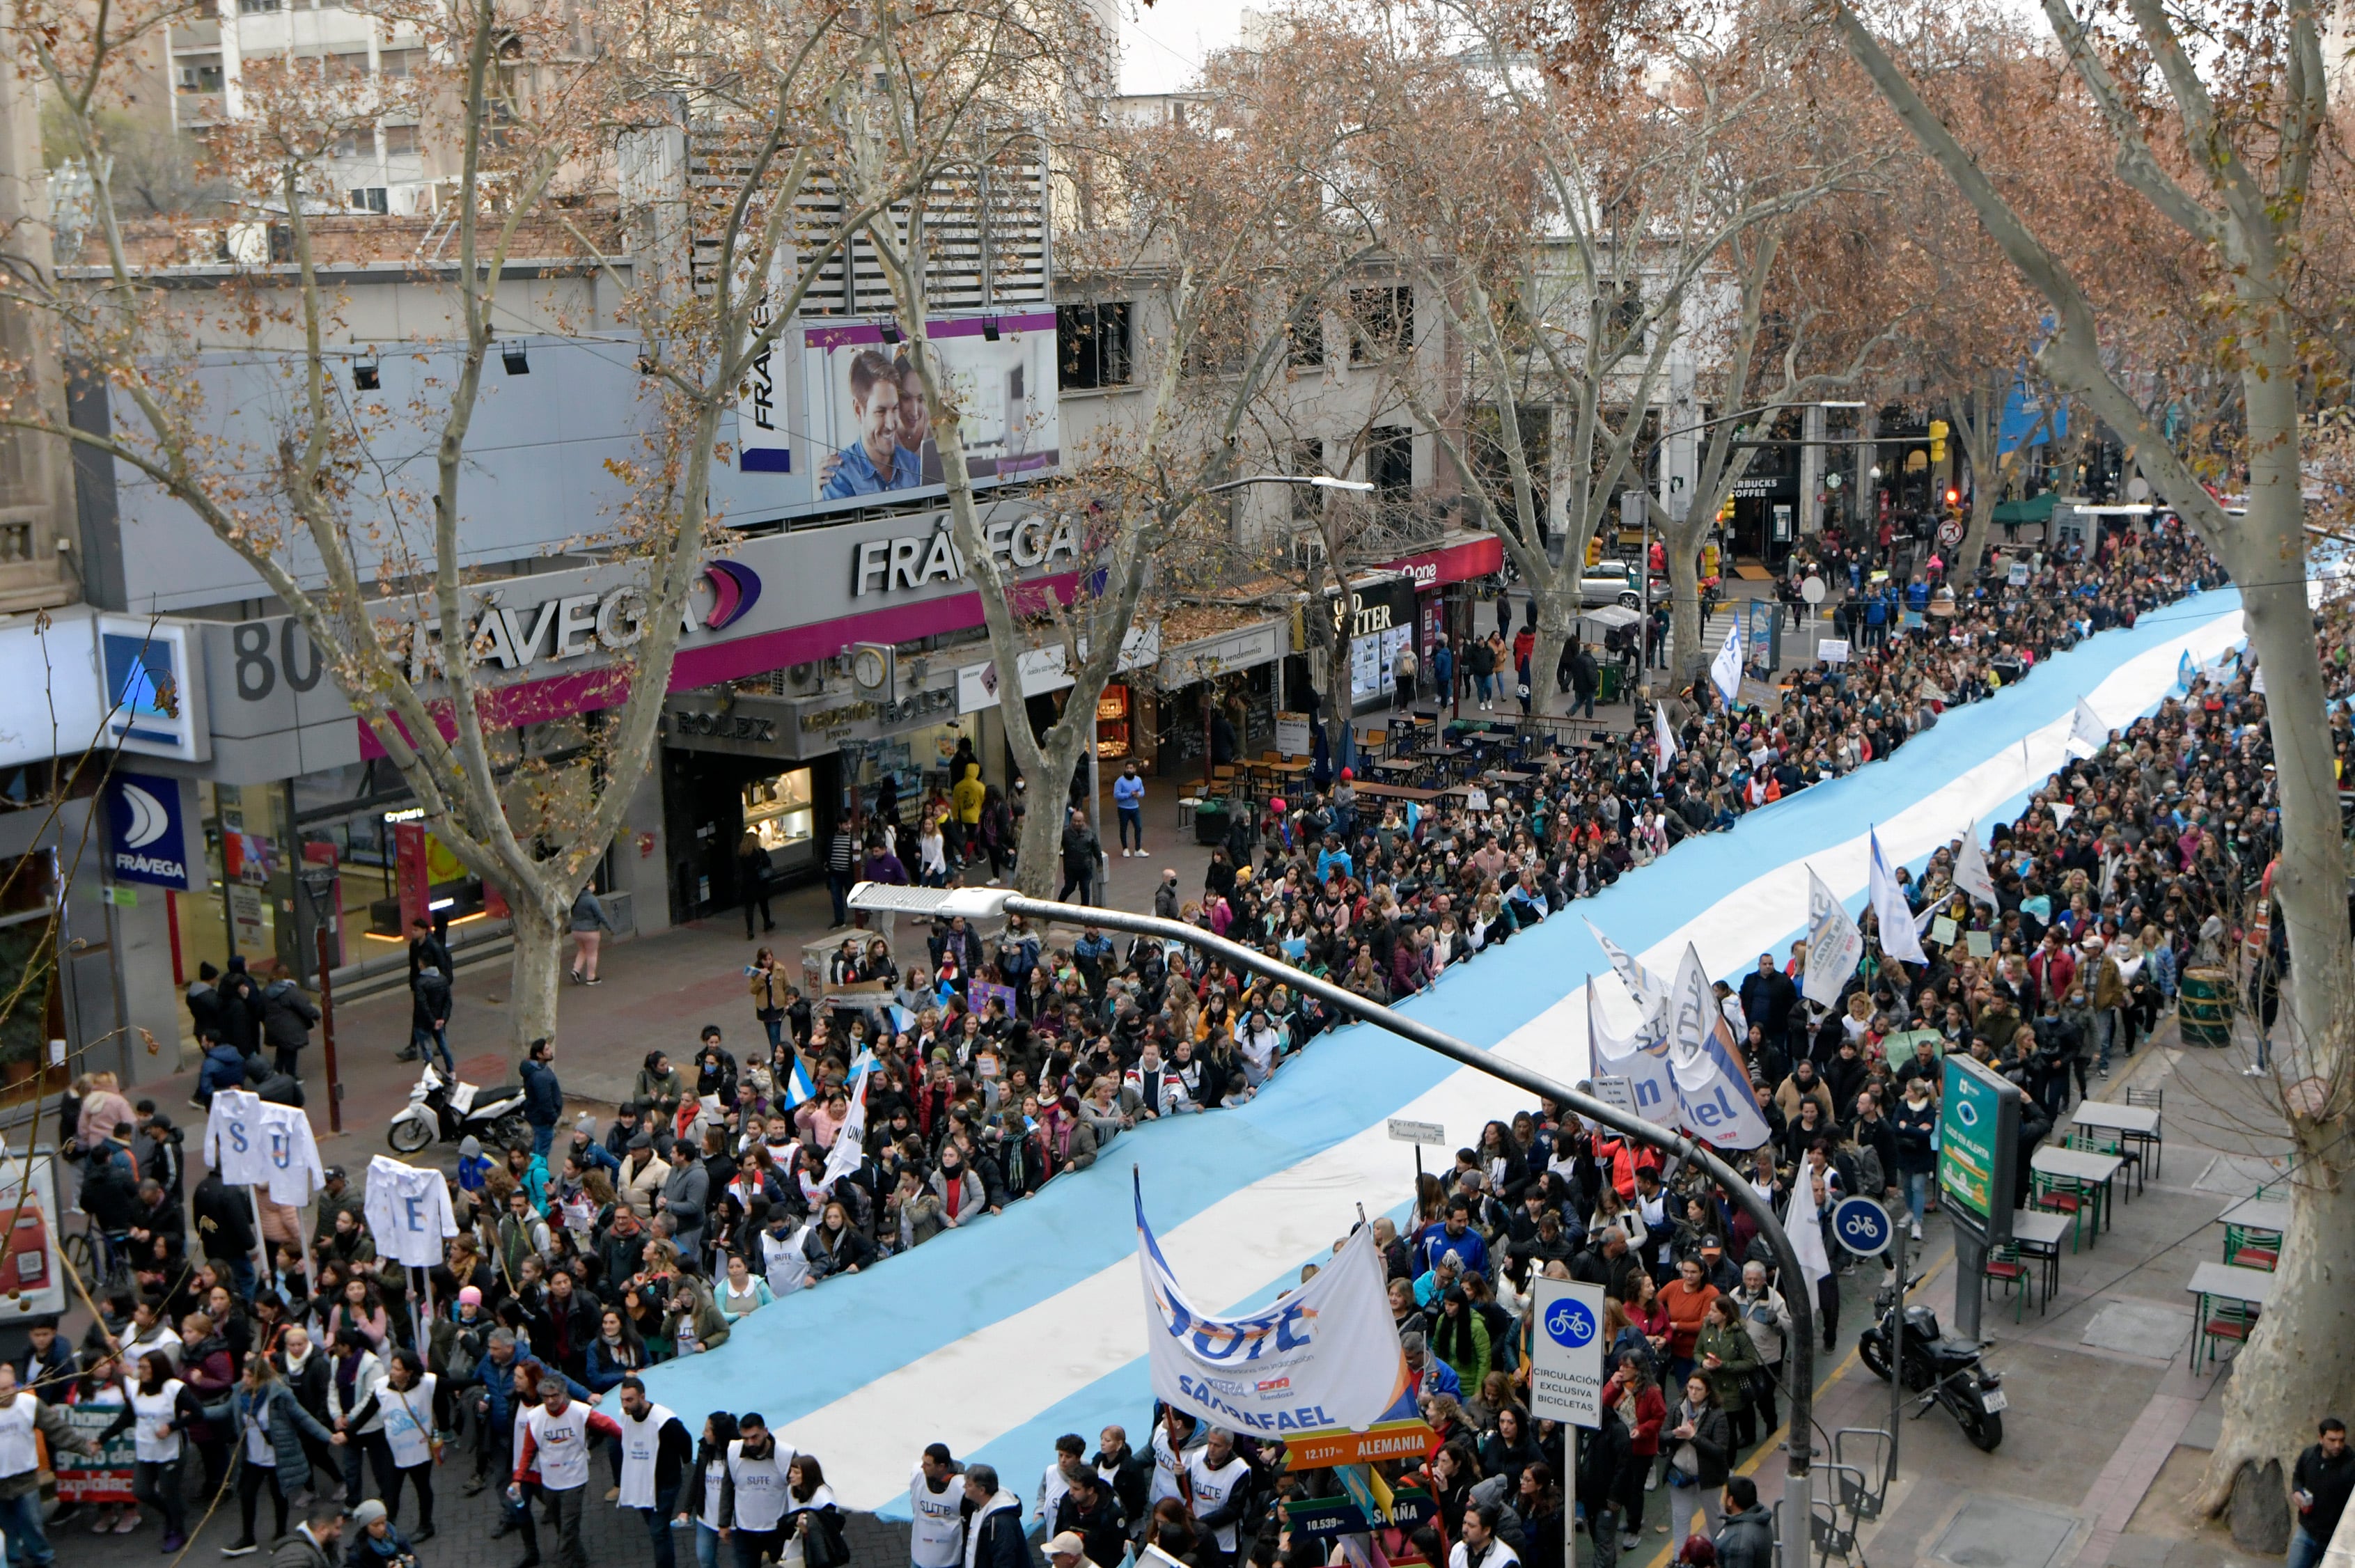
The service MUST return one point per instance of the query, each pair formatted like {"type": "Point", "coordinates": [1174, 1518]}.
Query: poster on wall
{"type": "Point", "coordinates": [869, 424]}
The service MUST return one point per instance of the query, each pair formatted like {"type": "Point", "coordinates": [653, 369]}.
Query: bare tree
{"type": "Point", "coordinates": [2226, 149]}
{"type": "Point", "coordinates": [532, 110]}
{"type": "Point", "coordinates": [1194, 204]}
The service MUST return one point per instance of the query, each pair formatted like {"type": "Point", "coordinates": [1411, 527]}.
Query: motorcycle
{"type": "Point", "coordinates": [443, 1107]}
{"type": "Point", "coordinates": [1941, 1370]}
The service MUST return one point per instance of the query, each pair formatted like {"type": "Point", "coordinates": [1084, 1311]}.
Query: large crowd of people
{"type": "Point", "coordinates": [991, 1062]}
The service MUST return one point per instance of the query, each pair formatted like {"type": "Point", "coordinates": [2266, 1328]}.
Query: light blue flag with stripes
{"type": "Point", "coordinates": [796, 1089]}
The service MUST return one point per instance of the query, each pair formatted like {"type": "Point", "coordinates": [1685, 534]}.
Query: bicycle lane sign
{"type": "Point", "coordinates": [1566, 1353]}
{"type": "Point", "coordinates": [1863, 1226]}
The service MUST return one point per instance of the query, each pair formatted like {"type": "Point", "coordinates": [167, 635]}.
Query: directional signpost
{"type": "Point", "coordinates": [1566, 1369]}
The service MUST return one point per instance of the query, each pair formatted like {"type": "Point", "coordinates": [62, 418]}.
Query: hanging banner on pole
{"type": "Point", "coordinates": [1834, 946]}
{"type": "Point", "coordinates": [1320, 1368]}
{"type": "Point", "coordinates": [407, 1212]}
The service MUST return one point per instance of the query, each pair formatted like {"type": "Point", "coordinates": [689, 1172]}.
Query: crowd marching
{"type": "Point", "coordinates": [994, 1062]}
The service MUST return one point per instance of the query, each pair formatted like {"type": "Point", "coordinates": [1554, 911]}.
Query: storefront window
{"type": "Point", "coordinates": [249, 883]}
{"type": "Point", "coordinates": [1113, 723]}
{"type": "Point", "coordinates": [33, 1012]}
{"type": "Point", "coordinates": [1371, 659]}
{"type": "Point", "coordinates": [781, 811]}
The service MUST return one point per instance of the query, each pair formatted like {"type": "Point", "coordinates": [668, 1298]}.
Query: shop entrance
{"type": "Point", "coordinates": [710, 800]}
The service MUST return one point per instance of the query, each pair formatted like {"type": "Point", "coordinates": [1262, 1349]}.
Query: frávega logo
{"type": "Point", "coordinates": [150, 845]}
{"type": "Point", "coordinates": [735, 589]}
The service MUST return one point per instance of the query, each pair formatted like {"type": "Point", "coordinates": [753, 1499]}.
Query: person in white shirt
{"type": "Point", "coordinates": [812, 1527]}
{"type": "Point", "coordinates": [556, 1443]}
{"type": "Point", "coordinates": [161, 1406]}
{"type": "Point", "coordinates": [936, 1505]}
{"type": "Point", "coordinates": [1481, 1546]}
{"type": "Point", "coordinates": [1177, 1432]}
{"type": "Point", "coordinates": [655, 1453]}
{"type": "Point", "coordinates": [753, 1503]}
{"type": "Point", "coordinates": [396, 1426]}
{"type": "Point", "coordinates": [22, 1413]}
{"type": "Point", "coordinates": [705, 1488]}
{"type": "Point", "coordinates": [150, 1330]}
{"type": "Point", "coordinates": [1220, 1479]}
{"type": "Point", "coordinates": [1070, 1452]}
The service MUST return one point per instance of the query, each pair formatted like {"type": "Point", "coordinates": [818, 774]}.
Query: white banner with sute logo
{"type": "Point", "coordinates": [1323, 1357]}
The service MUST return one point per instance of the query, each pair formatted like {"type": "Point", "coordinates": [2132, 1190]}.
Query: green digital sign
{"type": "Point", "coordinates": [1978, 1144]}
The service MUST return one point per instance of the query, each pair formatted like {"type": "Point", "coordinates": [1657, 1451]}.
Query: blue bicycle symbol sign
{"type": "Point", "coordinates": [1863, 1226]}
{"type": "Point", "coordinates": [1571, 1324]}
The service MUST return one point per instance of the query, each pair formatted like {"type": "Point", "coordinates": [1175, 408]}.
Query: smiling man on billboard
{"type": "Point", "coordinates": [876, 462]}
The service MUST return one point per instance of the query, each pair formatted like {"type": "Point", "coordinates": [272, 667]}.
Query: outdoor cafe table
{"type": "Point", "coordinates": [2135, 1125]}
{"type": "Point", "coordinates": [1398, 791]}
{"type": "Point", "coordinates": [2089, 1174]}
{"type": "Point", "coordinates": [2252, 1231]}
{"type": "Point", "coordinates": [2037, 1234]}
{"type": "Point", "coordinates": [2244, 1289]}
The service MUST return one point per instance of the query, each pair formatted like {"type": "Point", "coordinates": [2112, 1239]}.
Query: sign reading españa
{"type": "Point", "coordinates": [1319, 1368]}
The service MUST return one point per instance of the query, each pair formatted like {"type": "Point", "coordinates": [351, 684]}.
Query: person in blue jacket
{"type": "Point", "coordinates": [223, 1069]}
{"type": "Point", "coordinates": [543, 1097]}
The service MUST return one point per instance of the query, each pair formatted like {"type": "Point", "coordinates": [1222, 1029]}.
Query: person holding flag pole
{"type": "Point", "coordinates": [1725, 669]}
{"type": "Point", "coordinates": [1898, 938]}
{"type": "Point", "coordinates": [1971, 873]}
{"type": "Point", "coordinates": [1835, 946]}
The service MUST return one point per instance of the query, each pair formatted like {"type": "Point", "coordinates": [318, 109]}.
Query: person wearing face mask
{"type": "Point", "coordinates": [784, 1263]}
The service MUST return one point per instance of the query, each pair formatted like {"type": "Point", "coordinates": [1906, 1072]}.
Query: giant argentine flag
{"type": "Point", "coordinates": [867, 1369]}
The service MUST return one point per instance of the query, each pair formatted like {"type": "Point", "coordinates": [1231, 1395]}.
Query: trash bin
{"type": "Point", "coordinates": [1210, 821]}
{"type": "Point", "coordinates": [1606, 689]}
{"type": "Point", "coordinates": [2204, 1007]}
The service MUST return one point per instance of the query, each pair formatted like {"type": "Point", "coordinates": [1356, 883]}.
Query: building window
{"type": "Point", "coordinates": [1093, 341]}
{"type": "Point", "coordinates": [1385, 323]}
{"type": "Point", "coordinates": [1389, 460]}
{"type": "Point", "coordinates": [1307, 459]}
{"type": "Point", "coordinates": [200, 76]}
{"type": "Point", "coordinates": [1304, 339]}
{"type": "Point", "coordinates": [400, 141]}
{"type": "Point", "coordinates": [369, 201]}
{"type": "Point", "coordinates": [255, 7]}
{"type": "Point", "coordinates": [400, 62]}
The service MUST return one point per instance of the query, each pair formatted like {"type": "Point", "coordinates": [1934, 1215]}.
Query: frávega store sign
{"type": "Point", "coordinates": [768, 583]}
{"type": "Point", "coordinates": [913, 562]}
{"type": "Point", "coordinates": [775, 600]}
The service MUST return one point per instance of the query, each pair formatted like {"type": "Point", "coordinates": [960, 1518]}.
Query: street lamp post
{"type": "Point", "coordinates": [1322, 482]}
{"type": "Point", "coordinates": [981, 903]}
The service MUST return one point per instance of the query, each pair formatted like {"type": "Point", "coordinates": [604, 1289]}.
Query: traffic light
{"type": "Point", "coordinates": [1954, 496]}
{"type": "Point", "coordinates": [1937, 441]}
{"type": "Point", "coordinates": [1725, 510]}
